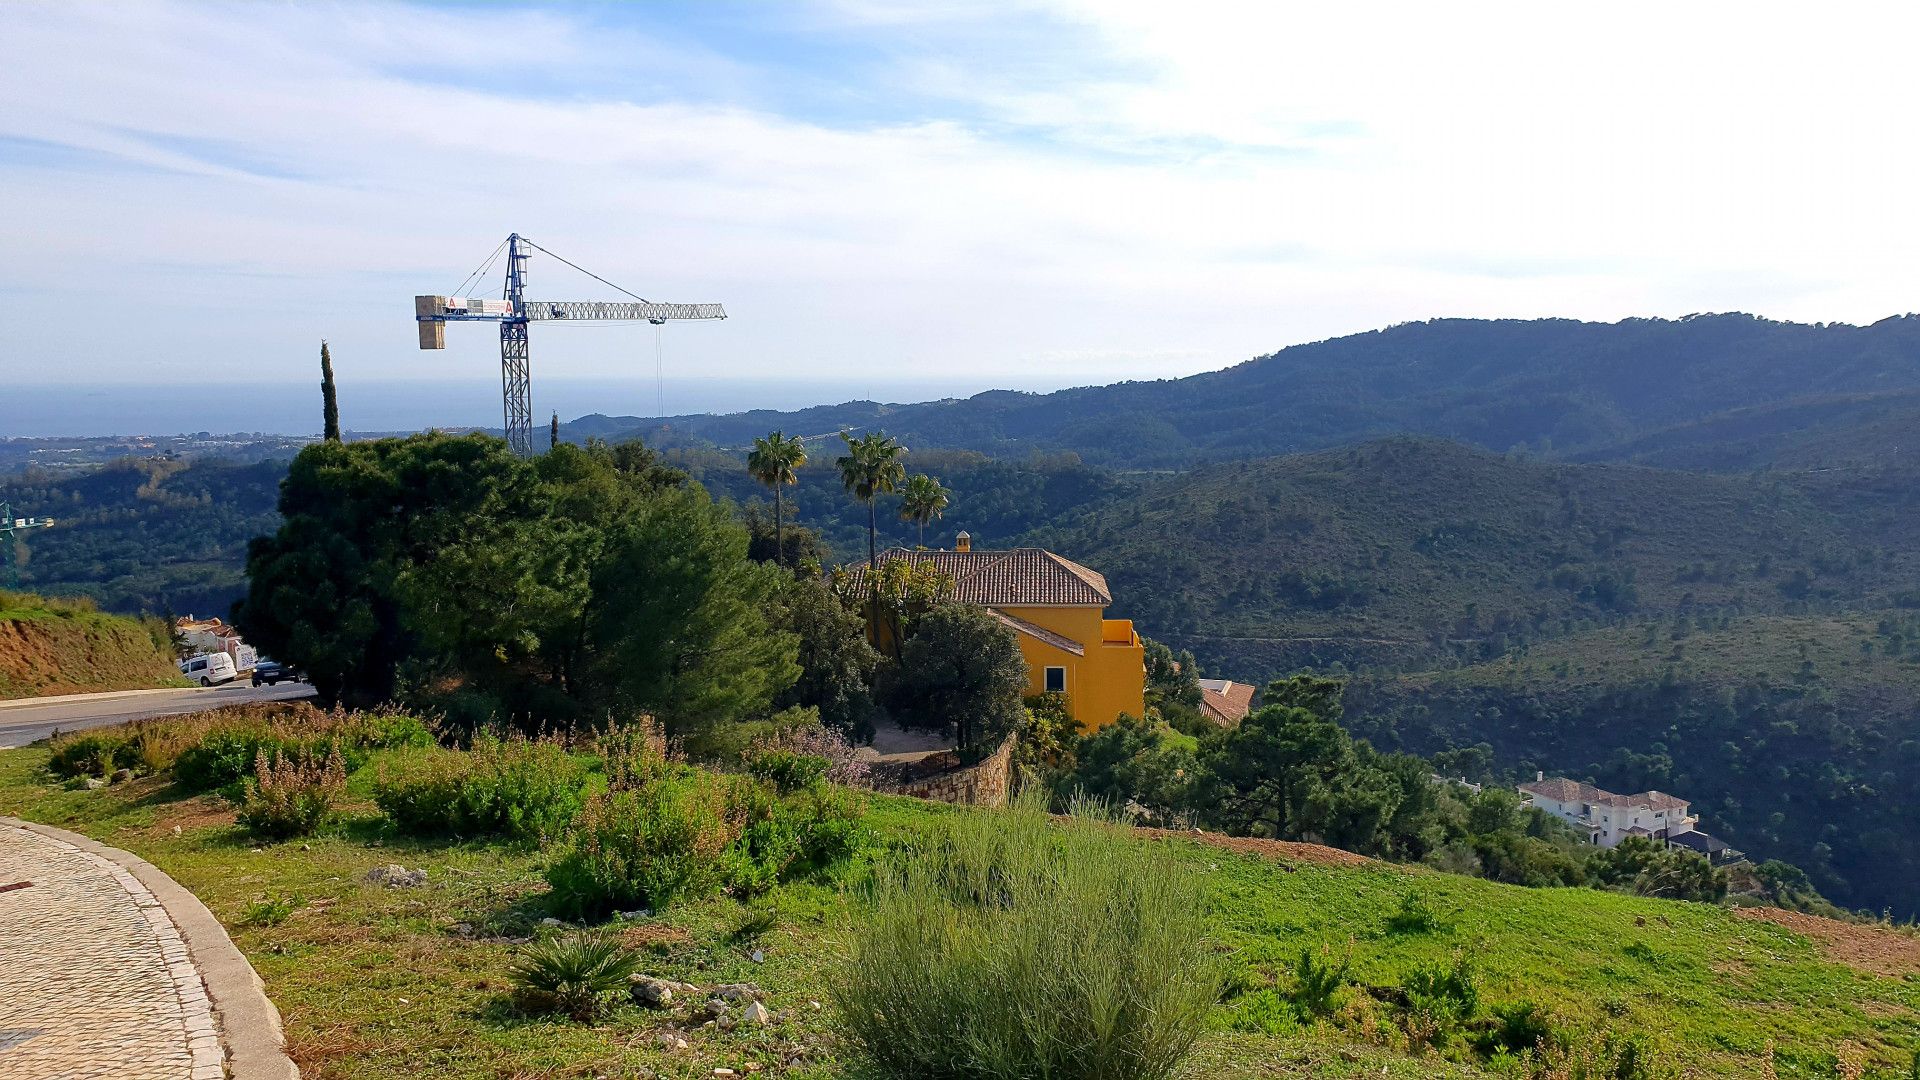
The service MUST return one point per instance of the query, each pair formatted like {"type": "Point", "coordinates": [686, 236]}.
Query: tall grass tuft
{"type": "Point", "coordinates": [1012, 946]}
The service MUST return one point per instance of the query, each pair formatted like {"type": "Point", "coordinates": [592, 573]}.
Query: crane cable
{"type": "Point", "coordinates": [589, 273]}
{"type": "Point", "coordinates": [461, 289]}
{"type": "Point", "coordinates": [659, 373]}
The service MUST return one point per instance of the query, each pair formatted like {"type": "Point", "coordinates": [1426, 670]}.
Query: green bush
{"type": "Point", "coordinates": [1517, 1027]}
{"type": "Point", "coordinates": [787, 770]}
{"type": "Point", "coordinates": [290, 797]}
{"type": "Point", "coordinates": [575, 974]}
{"type": "Point", "coordinates": [1415, 915]}
{"type": "Point", "coordinates": [521, 788]}
{"type": "Point", "coordinates": [646, 848]}
{"type": "Point", "coordinates": [224, 756]}
{"type": "Point", "coordinates": [93, 754]}
{"type": "Point", "coordinates": [1010, 947]}
{"type": "Point", "coordinates": [1440, 999]}
{"type": "Point", "coordinates": [688, 834]}
{"type": "Point", "coordinates": [1316, 982]}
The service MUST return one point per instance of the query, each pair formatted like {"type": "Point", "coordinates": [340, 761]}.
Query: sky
{"type": "Point", "coordinates": [1022, 194]}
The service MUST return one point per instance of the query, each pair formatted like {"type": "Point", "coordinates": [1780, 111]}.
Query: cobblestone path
{"type": "Point", "coordinates": [94, 978]}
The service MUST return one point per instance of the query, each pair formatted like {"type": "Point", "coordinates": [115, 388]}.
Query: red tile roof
{"type": "Point", "coordinates": [1022, 577]}
{"type": "Point", "coordinates": [1224, 702]}
{"type": "Point", "coordinates": [1561, 789]}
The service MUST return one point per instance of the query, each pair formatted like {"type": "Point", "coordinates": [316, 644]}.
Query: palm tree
{"type": "Point", "coordinates": [774, 462]}
{"type": "Point", "coordinates": [871, 467]}
{"type": "Point", "coordinates": [922, 501]}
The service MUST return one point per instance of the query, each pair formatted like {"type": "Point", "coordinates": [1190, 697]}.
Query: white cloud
{"type": "Point", "coordinates": [1079, 192]}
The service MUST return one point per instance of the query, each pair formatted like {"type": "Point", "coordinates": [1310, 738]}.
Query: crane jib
{"type": "Point", "coordinates": [468, 309]}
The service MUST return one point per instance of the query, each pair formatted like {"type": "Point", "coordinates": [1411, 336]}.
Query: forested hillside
{"type": "Point", "coordinates": [1554, 386]}
{"type": "Point", "coordinates": [147, 534]}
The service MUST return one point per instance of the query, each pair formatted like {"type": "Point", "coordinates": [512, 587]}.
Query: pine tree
{"type": "Point", "coordinates": [329, 404]}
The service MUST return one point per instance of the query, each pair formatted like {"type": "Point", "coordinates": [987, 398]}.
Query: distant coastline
{"type": "Point", "coordinates": [285, 408]}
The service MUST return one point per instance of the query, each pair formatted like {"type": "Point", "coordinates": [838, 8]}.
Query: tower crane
{"type": "Point", "coordinates": [513, 311]}
{"type": "Point", "coordinates": [9, 525]}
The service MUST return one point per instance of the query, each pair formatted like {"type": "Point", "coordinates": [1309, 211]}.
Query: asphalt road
{"type": "Point", "coordinates": [21, 724]}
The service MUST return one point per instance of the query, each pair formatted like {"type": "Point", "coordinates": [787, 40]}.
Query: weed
{"type": "Point", "coordinates": [1518, 1027]}
{"type": "Point", "coordinates": [1316, 982]}
{"type": "Point", "coordinates": [291, 797]}
{"type": "Point", "coordinates": [1415, 915]}
{"type": "Point", "coordinates": [575, 974]}
{"type": "Point", "coordinates": [1008, 946]}
{"type": "Point", "coordinates": [1440, 999]}
{"type": "Point", "coordinates": [270, 912]}
{"type": "Point", "coordinates": [755, 921]}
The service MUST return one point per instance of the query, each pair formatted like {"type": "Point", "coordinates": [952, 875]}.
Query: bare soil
{"type": "Point", "coordinates": [1274, 849]}
{"type": "Point", "coordinates": [1878, 949]}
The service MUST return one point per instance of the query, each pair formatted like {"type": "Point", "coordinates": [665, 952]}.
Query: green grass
{"type": "Point", "coordinates": [389, 983]}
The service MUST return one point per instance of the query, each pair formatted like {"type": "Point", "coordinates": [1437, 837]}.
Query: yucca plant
{"type": "Point", "coordinates": [574, 974]}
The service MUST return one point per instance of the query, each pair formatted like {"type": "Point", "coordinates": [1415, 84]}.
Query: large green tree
{"type": "Point", "coordinates": [870, 468]}
{"type": "Point", "coordinates": [776, 461]}
{"type": "Point", "coordinates": [586, 583]}
{"type": "Point", "coordinates": [961, 673]}
{"type": "Point", "coordinates": [837, 664]}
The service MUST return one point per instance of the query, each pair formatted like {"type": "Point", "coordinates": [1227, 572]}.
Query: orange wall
{"type": "Point", "coordinates": [1109, 680]}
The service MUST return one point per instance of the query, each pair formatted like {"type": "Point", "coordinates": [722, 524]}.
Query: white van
{"type": "Point", "coordinates": [209, 668]}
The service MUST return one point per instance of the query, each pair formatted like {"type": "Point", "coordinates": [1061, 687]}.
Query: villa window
{"type": "Point", "coordinates": [1056, 680]}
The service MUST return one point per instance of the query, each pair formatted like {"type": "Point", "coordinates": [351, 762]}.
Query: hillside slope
{"type": "Point", "coordinates": [1416, 551]}
{"type": "Point", "coordinates": [63, 647]}
{"type": "Point", "coordinates": [1553, 385]}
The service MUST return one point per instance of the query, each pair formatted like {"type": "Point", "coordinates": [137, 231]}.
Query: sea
{"type": "Point", "coordinates": [55, 410]}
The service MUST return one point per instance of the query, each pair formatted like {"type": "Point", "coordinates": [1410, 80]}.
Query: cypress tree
{"type": "Point", "coordinates": [553, 432]}
{"type": "Point", "coordinates": [329, 404]}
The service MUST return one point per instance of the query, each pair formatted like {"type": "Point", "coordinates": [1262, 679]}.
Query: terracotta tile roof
{"type": "Point", "coordinates": [1022, 626]}
{"type": "Point", "coordinates": [1561, 789]}
{"type": "Point", "coordinates": [1225, 702]}
{"type": "Point", "coordinates": [1021, 577]}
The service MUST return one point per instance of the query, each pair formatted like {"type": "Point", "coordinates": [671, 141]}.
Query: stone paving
{"type": "Point", "coordinates": [95, 980]}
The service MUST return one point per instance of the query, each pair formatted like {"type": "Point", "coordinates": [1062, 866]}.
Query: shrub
{"type": "Point", "coordinates": [1316, 982]}
{"type": "Point", "coordinates": [93, 754]}
{"type": "Point", "coordinates": [634, 755]}
{"type": "Point", "coordinates": [1518, 1026]}
{"type": "Point", "coordinates": [1415, 915]}
{"type": "Point", "coordinates": [575, 974]}
{"type": "Point", "coordinates": [787, 770]}
{"type": "Point", "coordinates": [289, 797]}
{"type": "Point", "coordinates": [1441, 998]}
{"type": "Point", "coordinates": [842, 763]}
{"type": "Point", "coordinates": [646, 848]}
{"type": "Point", "coordinates": [520, 788]}
{"type": "Point", "coordinates": [224, 744]}
{"type": "Point", "coordinates": [1008, 946]}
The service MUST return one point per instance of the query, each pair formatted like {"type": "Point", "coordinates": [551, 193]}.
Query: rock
{"type": "Point", "coordinates": [715, 1009]}
{"type": "Point", "coordinates": [670, 1040]}
{"type": "Point", "coordinates": [738, 993]}
{"type": "Point", "coordinates": [759, 957]}
{"type": "Point", "coordinates": [462, 929]}
{"type": "Point", "coordinates": [395, 876]}
{"type": "Point", "coordinates": [814, 1005]}
{"type": "Point", "coordinates": [120, 776]}
{"type": "Point", "coordinates": [176, 830]}
{"type": "Point", "coordinates": [651, 992]}
{"type": "Point", "coordinates": [632, 916]}
{"type": "Point", "coordinates": [756, 1013]}
{"type": "Point", "coordinates": [93, 783]}
{"type": "Point", "coordinates": [551, 921]}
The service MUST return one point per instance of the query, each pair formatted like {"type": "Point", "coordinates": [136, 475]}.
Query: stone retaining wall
{"type": "Point", "coordinates": [985, 783]}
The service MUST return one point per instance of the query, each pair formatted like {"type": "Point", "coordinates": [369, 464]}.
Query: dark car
{"type": "Point", "coordinates": [269, 672]}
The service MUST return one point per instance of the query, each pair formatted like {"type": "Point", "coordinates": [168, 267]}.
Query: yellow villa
{"type": "Point", "coordinates": [1057, 611]}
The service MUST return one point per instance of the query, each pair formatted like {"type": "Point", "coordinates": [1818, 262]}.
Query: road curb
{"type": "Point", "coordinates": [249, 1023]}
{"type": "Point", "coordinates": [102, 695]}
